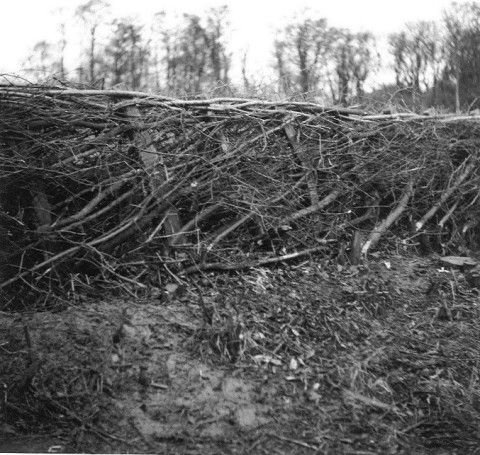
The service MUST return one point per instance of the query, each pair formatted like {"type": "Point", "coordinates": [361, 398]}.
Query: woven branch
{"type": "Point", "coordinates": [136, 176]}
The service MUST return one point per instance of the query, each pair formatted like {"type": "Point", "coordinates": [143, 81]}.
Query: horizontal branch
{"type": "Point", "coordinates": [251, 264]}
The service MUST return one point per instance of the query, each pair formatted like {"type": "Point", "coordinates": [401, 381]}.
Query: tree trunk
{"type": "Point", "coordinates": [91, 57]}
{"type": "Point", "coordinates": [457, 91]}
{"type": "Point", "coordinates": [63, 44]}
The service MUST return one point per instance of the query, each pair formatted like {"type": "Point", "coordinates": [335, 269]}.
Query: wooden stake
{"type": "Point", "coordinates": [153, 163]}
{"type": "Point", "coordinates": [307, 162]}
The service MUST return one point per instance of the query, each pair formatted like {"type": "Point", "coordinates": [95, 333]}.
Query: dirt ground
{"type": "Point", "coordinates": [307, 358]}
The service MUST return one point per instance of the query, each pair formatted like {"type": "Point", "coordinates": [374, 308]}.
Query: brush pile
{"type": "Point", "coordinates": [127, 186]}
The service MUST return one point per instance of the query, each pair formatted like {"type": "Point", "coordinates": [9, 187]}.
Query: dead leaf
{"type": "Point", "coordinates": [267, 359]}
{"type": "Point", "coordinates": [459, 261]}
{"type": "Point", "coordinates": [313, 396]}
{"type": "Point", "coordinates": [171, 288]}
{"type": "Point", "coordinates": [246, 418]}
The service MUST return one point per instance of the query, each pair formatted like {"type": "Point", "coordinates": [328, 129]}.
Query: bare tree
{"type": "Point", "coordinates": [196, 56]}
{"type": "Point", "coordinates": [245, 80]}
{"type": "Point", "coordinates": [156, 51]}
{"type": "Point", "coordinates": [127, 56]}
{"type": "Point", "coordinates": [62, 42]}
{"type": "Point", "coordinates": [48, 59]}
{"type": "Point", "coordinates": [365, 60]}
{"type": "Point", "coordinates": [284, 73]}
{"type": "Point", "coordinates": [312, 57]}
{"type": "Point", "coordinates": [355, 59]}
{"type": "Point", "coordinates": [215, 33]}
{"type": "Point", "coordinates": [62, 46]}
{"type": "Point", "coordinates": [462, 22]}
{"type": "Point", "coordinates": [417, 53]}
{"type": "Point", "coordinates": [41, 63]}
{"type": "Point", "coordinates": [92, 13]}
{"type": "Point", "coordinates": [302, 52]}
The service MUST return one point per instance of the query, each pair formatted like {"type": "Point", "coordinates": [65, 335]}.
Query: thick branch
{"type": "Point", "coordinates": [377, 233]}
{"type": "Point", "coordinates": [446, 194]}
{"type": "Point", "coordinates": [194, 222]}
{"type": "Point", "coordinates": [251, 264]}
{"type": "Point", "coordinates": [327, 200]}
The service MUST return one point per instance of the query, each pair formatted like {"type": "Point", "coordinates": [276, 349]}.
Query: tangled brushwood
{"type": "Point", "coordinates": [125, 187]}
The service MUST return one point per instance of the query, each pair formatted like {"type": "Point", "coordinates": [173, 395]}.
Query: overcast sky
{"type": "Point", "coordinates": [253, 22]}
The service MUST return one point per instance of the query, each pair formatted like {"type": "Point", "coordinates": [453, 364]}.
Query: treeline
{"type": "Point", "coordinates": [434, 64]}
{"type": "Point", "coordinates": [185, 58]}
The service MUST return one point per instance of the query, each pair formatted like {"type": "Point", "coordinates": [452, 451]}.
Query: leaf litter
{"type": "Point", "coordinates": [357, 359]}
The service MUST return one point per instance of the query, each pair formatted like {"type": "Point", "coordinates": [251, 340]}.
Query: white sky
{"type": "Point", "coordinates": [253, 22]}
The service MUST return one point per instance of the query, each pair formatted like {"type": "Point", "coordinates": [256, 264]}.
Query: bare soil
{"type": "Point", "coordinates": [310, 358]}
